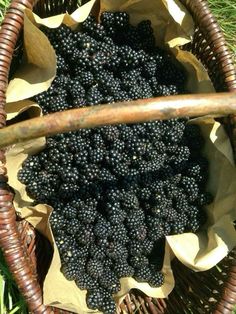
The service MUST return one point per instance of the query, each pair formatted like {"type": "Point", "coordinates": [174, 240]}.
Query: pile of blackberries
{"type": "Point", "coordinates": [117, 191]}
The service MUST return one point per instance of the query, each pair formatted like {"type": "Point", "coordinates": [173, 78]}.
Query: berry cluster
{"type": "Point", "coordinates": [109, 62]}
{"type": "Point", "coordinates": [117, 191]}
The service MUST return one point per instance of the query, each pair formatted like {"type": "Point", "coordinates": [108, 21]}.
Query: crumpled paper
{"type": "Point", "coordinates": [173, 27]}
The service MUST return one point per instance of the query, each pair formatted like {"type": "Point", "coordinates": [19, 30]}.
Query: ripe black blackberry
{"type": "Point", "coordinates": [135, 248]}
{"type": "Point", "coordinates": [139, 233]}
{"type": "Point", "coordinates": [116, 217]}
{"type": "Point", "coordinates": [108, 306]}
{"type": "Point", "coordinates": [94, 268]}
{"type": "Point", "coordinates": [102, 228]}
{"type": "Point", "coordinates": [130, 201]}
{"type": "Point", "coordinates": [85, 282]}
{"type": "Point", "coordinates": [69, 271]}
{"type": "Point", "coordinates": [25, 175]}
{"type": "Point", "coordinates": [116, 251]}
{"type": "Point", "coordinates": [87, 214]}
{"type": "Point", "coordinates": [138, 262]}
{"type": "Point", "coordinates": [94, 299]}
{"type": "Point", "coordinates": [109, 281]}
{"type": "Point", "coordinates": [191, 188]}
{"type": "Point", "coordinates": [156, 280]}
{"type": "Point", "coordinates": [97, 252]}
{"type": "Point", "coordinates": [96, 155]}
{"type": "Point", "coordinates": [143, 274]}
{"type": "Point", "coordinates": [119, 234]}
{"type": "Point", "coordinates": [110, 133]}
{"type": "Point", "coordinates": [123, 269]}
{"type": "Point", "coordinates": [147, 246]}
{"type": "Point", "coordinates": [135, 219]}
{"type": "Point", "coordinates": [93, 96]}
{"type": "Point", "coordinates": [84, 234]}
{"type": "Point", "coordinates": [155, 229]}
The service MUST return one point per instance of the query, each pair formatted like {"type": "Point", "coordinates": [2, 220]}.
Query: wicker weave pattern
{"type": "Point", "coordinates": [209, 46]}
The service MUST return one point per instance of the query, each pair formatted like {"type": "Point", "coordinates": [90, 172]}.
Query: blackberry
{"type": "Point", "coordinates": [130, 201]}
{"type": "Point", "coordinates": [116, 217]}
{"type": "Point", "coordinates": [82, 252]}
{"type": "Point", "coordinates": [102, 228]}
{"type": "Point", "coordinates": [119, 234]}
{"type": "Point", "coordinates": [155, 229]}
{"type": "Point", "coordinates": [116, 251]}
{"type": "Point", "coordinates": [32, 162]}
{"type": "Point", "coordinates": [147, 246]}
{"type": "Point", "coordinates": [57, 220]}
{"type": "Point", "coordinates": [25, 175]}
{"type": "Point", "coordinates": [143, 274]}
{"type": "Point", "coordinates": [179, 226]}
{"type": "Point", "coordinates": [138, 262]}
{"type": "Point", "coordinates": [138, 233]}
{"type": "Point", "coordinates": [121, 20]}
{"type": "Point", "coordinates": [86, 79]}
{"type": "Point", "coordinates": [93, 96]}
{"type": "Point", "coordinates": [110, 133]}
{"type": "Point", "coordinates": [108, 306]}
{"type": "Point", "coordinates": [73, 227]}
{"type": "Point", "coordinates": [149, 69]}
{"type": "Point", "coordinates": [120, 169]}
{"type": "Point", "coordinates": [109, 281]}
{"type": "Point", "coordinates": [84, 234]}
{"type": "Point", "coordinates": [96, 155]}
{"type": "Point", "coordinates": [135, 219]}
{"type": "Point", "coordinates": [94, 268]}
{"type": "Point", "coordinates": [89, 24]}
{"type": "Point", "coordinates": [67, 255]}
{"type": "Point", "coordinates": [190, 187]}
{"type": "Point", "coordinates": [157, 280]}
{"type": "Point", "coordinates": [97, 252]}
{"type": "Point", "coordinates": [85, 282]}
{"type": "Point", "coordinates": [145, 28]}
{"type": "Point", "coordinates": [123, 269]}
{"type": "Point", "coordinates": [68, 190]}
{"type": "Point", "coordinates": [69, 271]}
{"type": "Point", "coordinates": [107, 19]}
{"type": "Point", "coordinates": [166, 90]}
{"type": "Point", "coordinates": [70, 212]}
{"type": "Point", "coordinates": [118, 145]}
{"type": "Point", "coordinates": [94, 299]}
{"type": "Point", "coordinates": [105, 176]}
{"type": "Point", "coordinates": [135, 248]}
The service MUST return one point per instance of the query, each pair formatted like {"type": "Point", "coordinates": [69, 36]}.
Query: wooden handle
{"type": "Point", "coordinates": [125, 112]}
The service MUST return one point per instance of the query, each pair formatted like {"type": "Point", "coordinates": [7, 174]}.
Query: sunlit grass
{"type": "Point", "coordinates": [10, 299]}
{"type": "Point", "coordinates": [225, 12]}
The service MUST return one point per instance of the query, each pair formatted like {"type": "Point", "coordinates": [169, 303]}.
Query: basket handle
{"type": "Point", "coordinates": [161, 108]}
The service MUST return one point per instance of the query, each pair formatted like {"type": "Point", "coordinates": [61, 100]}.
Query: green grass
{"type": "Point", "coordinates": [3, 5]}
{"type": "Point", "coordinates": [10, 300]}
{"type": "Point", "coordinates": [225, 12]}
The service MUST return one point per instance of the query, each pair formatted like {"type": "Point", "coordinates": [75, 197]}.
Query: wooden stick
{"type": "Point", "coordinates": [161, 108]}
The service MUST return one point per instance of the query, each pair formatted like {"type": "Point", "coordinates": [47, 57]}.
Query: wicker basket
{"type": "Point", "coordinates": [211, 291]}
